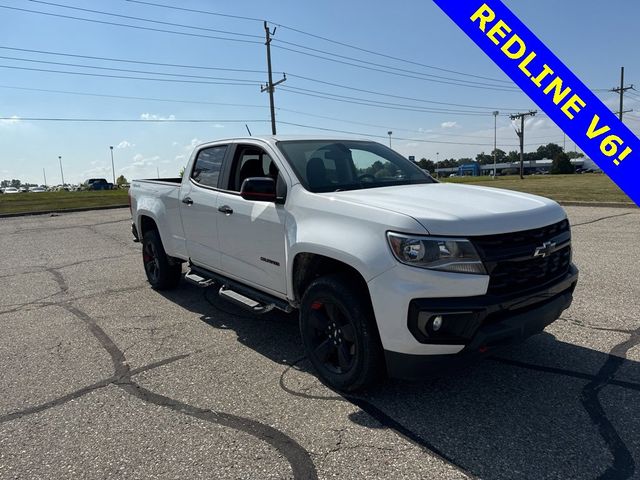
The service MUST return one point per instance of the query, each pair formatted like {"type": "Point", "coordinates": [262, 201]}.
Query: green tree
{"type": "Point", "coordinates": [513, 156]}
{"type": "Point", "coordinates": [428, 165]}
{"type": "Point", "coordinates": [573, 155]}
{"type": "Point", "coordinates": [484, 159]}
{"type": "Point", "coordinates": [561, 164]}
{"type": "Point", "coordinates": [181, 172]}
{"type": "Point", "coordinates": [501, 155]}
{"type": "Point", "coordinates": [550, 150]}
{"type": "Point", "coordinates": [121, 180]}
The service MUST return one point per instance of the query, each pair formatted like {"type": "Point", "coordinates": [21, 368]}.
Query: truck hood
{"type": "Point", "coordinates": [461, 210]}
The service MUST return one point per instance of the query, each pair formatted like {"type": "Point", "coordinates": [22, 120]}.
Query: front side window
{"type": "Point", "coordinates": [334, 165]}
{"type": "Point", "coordinates": [250, 162]}
{"type": "Point", "coordinates": [206, 169]}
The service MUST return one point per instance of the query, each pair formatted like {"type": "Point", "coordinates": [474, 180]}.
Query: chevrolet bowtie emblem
{"type": "Point", "coordinates": [545, 250]}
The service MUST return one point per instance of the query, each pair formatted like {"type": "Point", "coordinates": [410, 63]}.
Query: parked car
{"type": "Point", "coordinates": [11, 190]}
{"type": "Point", "coordinates": [98, 184]}
{"type": "Point", "coordinates": [37, 190]}
{"type": "Point", "coordinates": [399, 275]}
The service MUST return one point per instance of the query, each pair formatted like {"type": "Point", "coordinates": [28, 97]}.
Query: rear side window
{"type": "Point", "coordinates": [206, 169]}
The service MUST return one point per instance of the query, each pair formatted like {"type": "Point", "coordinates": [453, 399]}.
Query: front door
{"type": "Point", "coordinates": [252, 234]}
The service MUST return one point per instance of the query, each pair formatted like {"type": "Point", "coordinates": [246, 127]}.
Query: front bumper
{"type": "Point", "coordinates": [496, 322]}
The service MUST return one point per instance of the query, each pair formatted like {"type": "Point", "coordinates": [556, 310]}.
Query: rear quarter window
{"type": "Point", "coordinates": [208, 164]}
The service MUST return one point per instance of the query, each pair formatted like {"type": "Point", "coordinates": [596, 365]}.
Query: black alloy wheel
{"type": "Point", "coordinates": [151, 262]}
{"type": "Point", "coordinates": [163, 272]}
{"type": "Point", "coordinates": [332, 336]}
{"type": "Point", "coordinates": [339, 333]}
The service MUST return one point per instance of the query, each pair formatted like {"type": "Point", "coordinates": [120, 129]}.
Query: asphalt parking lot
{"type": "Point", "coordinates": [103, 377]}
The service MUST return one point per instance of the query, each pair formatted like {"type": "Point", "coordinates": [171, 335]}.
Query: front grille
{"type": "Point", "coordinates": [510, 262]}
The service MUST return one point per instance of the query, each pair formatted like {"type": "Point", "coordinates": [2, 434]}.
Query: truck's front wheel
{"type": "Point", "coordinates": [339, 334]}
{"type": "Point", "coordinates": [162, 272]}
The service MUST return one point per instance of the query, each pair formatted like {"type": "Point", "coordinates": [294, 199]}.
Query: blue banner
{"type": "Point", "coordinates": [552, 86]}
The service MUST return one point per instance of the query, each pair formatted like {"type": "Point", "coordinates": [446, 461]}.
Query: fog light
{"type": "Point", "coordinates": [437, 323]}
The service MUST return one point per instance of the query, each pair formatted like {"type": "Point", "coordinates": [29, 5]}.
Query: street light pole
{"type": "Point", "coordinates": [45, 177]}
{"type": "Point", "coordinates": [61, 171]}
{"type": "Point", "coordinates": [389, 133]}
{"type": "Point", "coordinates": [113, 170]}
{"type": "Point", "coordinates": [495, 140]}
{"type": "Point", "coordinates": [437, 163]}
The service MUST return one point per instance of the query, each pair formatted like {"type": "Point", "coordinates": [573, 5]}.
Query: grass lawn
{"type": "Point", "coordinates": [60, 201]}
{"type": "Point", "coordinates": [588, 187]}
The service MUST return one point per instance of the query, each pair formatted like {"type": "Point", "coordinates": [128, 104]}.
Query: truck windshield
{"type": "Point", "coordinates": [334, 165]}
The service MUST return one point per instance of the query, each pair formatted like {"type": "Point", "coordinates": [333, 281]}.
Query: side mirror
{"type": "Point", "coordinates": [259, 189]}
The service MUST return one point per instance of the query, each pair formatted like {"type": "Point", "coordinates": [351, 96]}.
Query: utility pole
{"type": "Point", "coordinates": [113, 170]}
{"type": "Point", "coordinates": [437, 163]}
{"type": "Point", "coordinates": [495, 140]}
{"type": "Point", "coordinates": [270, 86]}
{"type": "Point", "coordinates": [61, 171]}
{"type": "Point", "coordinates": [621, 89]}
{"type": "Point", "coordinates": [520, 133]}
{"type": "Point", "coordinates": [389, 133]}
{"type": "Point", "coordinates": [45, 177]}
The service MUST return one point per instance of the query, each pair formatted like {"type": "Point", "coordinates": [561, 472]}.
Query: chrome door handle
{"type": "Point", "coordinates": [226, 209]}
{"type": "Point", "coordinates": [187, 200]}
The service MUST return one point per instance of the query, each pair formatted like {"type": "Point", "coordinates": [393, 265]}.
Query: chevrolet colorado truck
{"type": "Point", "coordinates": [392, 272]}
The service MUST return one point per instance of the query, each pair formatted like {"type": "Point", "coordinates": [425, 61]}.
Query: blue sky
{"type": "Point", "coordinates": [592, 41]}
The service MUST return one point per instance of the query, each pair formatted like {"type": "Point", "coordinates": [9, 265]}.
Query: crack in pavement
{"type": "Point", "coordinates": [623, 464]}
{"type": "Point", "coordinates": [381, 417]}
{"type": "Point", "coordinates": [603, 218]}
{"type": "Point", "coordinates": [578, 323]}
{"type": "Point", "coordinates": [299, 459]}
{"type": "Point", "coordinates": [67, 227]}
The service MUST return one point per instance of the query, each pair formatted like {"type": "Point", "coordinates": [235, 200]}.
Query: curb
{"type": "Point", "coordinates": [68, 210]}
{"type": "Point", "coordinates": [599, 204]}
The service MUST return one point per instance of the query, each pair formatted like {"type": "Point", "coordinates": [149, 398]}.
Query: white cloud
{"type": "Point", "coordinates": [10, 120]}
{"type": "Point", "coordinates": [153, 116]}
{"type": "Point", "coordinates": [125, 144]}
{"type": "Point", "coordinates": [218, 125]}
{"type": "Point", "coordinates": [449, 125]}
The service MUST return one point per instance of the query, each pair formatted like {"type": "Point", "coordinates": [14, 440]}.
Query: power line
{"type": "Point", "coordinates": [237, 17]}
{"type": "Point", "coordinates": [160, 22]}
{"type": "Point", "coordinates": [320, 37]}
{"type": "Point", "coordinates": [138, 27]}
{"type": "Point", "coordinates": [127, 70]}
{"type": "Point", "coordinates": [126, 77]}
{"type": "Point", "coordinates": [398, 74]}
{"type": "Point", "coordinates": [375, 103]}
{"type": "Point", "coordinates": [391, 95]}
{"type": "Point", "coordinates": [127, 120]}
{"type": "Point", "coordinates": [301, 77]}
{"type": "Point", "coordinates": [242, 105]}
{"type": "Point", "coordinates": [140, 62]}
{"type": "Point", "coordinates": [125, 97]}
{"type": "Point", "coordinates": [412, 72]}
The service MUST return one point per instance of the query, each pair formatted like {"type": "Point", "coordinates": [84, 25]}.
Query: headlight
{"type": "Point", "coordinates": [436, 253]}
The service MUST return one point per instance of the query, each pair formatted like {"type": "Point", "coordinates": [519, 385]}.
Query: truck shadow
{"type": "Point", "coordinates": [542, 409]}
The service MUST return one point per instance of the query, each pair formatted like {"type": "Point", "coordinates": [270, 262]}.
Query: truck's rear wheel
{"type": "Point", "coordinates": [162, 272]}
{"type": "Point", "coordinates": [339, 334]}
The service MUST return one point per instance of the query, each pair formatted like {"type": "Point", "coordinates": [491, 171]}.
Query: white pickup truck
{"type": "Point", "coordinates": [392, 271]}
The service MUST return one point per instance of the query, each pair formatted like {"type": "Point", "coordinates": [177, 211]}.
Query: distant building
{"type": "Point", "coordinates": [474, 169]}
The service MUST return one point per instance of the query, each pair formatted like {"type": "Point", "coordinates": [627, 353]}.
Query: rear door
{"type": "Point", "coordinates": [252, 234]}
{"type": "Point", "coordinates": [198, 206]}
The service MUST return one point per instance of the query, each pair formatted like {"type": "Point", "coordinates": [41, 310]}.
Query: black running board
{"type": "Point", "coordinates": [236, 292]}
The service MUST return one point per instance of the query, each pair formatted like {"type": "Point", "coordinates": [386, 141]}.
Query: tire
{"type": "Point", "coordinates": [162, 272]}
{"type": "Point", "coordinates": [339, 334]}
